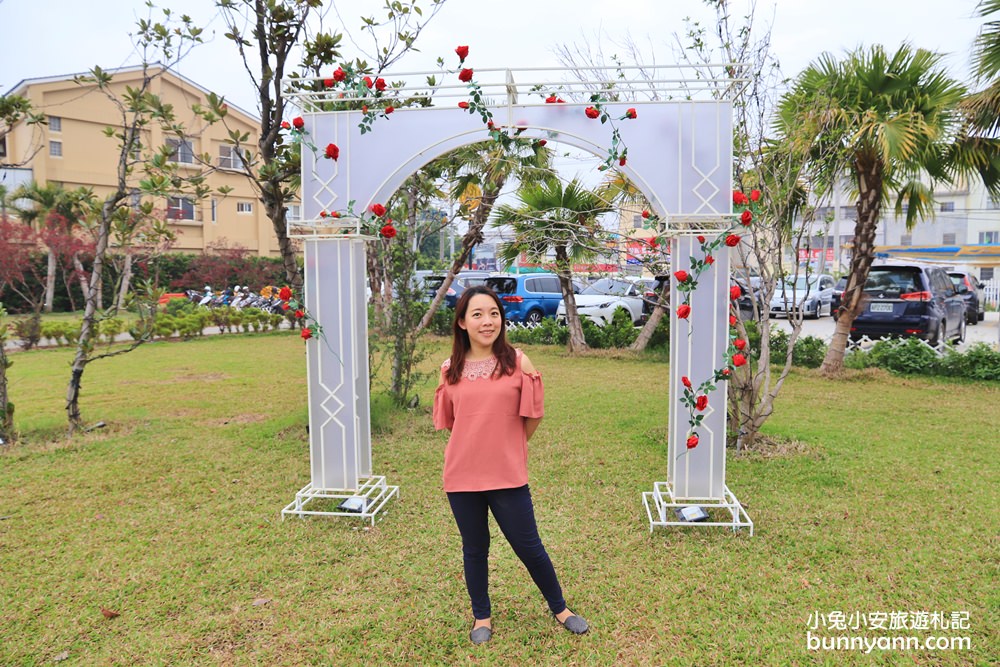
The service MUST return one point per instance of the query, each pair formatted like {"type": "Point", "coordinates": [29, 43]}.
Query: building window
{"type": "Point", "coordinates": [181, 150]}
{"type": "Point", "coordinates": [906, 239]}
{"type": "Point", "coordinates": [986, 273]}
{"type": "Point", "coordinates": [55, 124]}
{"type": "Point", "coordinates": [990, 238]}
{"type": "Point", "coordinates": [180, 208]}
{"type": "Point", "coordinates": [244, 207]}
{"type": "Point", "coordinates": [636, 221]}
{"type": "Point", "coordinates": [947, 206]}
{"type": "Point", "coordinates": [948, 239]}
{"type": "Point", "coordinates": [293, 212]}
{"type": "Point", "coordinates": [55, 148]}
{"type": "Point", "coordinates": [3, 146]}
{"type": "Point", "coordinates": [215, 209]}
{"type": "Point", "coordinates": [230, 157]}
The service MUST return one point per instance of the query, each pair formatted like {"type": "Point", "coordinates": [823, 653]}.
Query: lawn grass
{"type": "Point", "coordinates": [886, 501]}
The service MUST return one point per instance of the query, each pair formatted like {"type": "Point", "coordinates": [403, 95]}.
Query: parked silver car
{"type": "Point", "coordinates": [601, 299]}
{"type": "Point", "coordinates": [810, 295]}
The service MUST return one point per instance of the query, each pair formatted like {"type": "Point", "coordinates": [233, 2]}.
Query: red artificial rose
{"type": "Point", "coordinates": [686, 381]}
{"type": "Point", "coordinates": [739, 344]}
{"type": "Point", "coordinates": [692, 441]}
{"type": "Point", "coordinates": [645, 214]}
{"type": "Point", "coordinates": [592, 112]}
{"type": "Point", "coordinates": [709, 259]}
{"type": "Point", "coordinates": [322, 214]}
{"type": "Point", "coordinates": [463, 105]}
{"type": "Point", "coordinates": [463, 52]}
{"type": "Point", "coordinates": [380, 84]}
{"type": "Point", "coordinates": [551, 99]}
{"type": "Point", "coordinates": [332, 152]}
{"type": "Point", "coordinates": [285, 306]}
{"type": "Point", "coordinates": [630, 113]}
{"type": "Point", "coordinates": [299, 314]}
{"type": "Point", "coordinates": [377, 209]}
{"type": "Point", "coordinates": [726, 372]}
{"type": "Point", "coordinates": [364, 108]}
{"type": "Point", "coordinates": [389, 110]}
{"type": "Point", "coordinates": [739, 360]}
{"type": "Point", "coordinates": [368, 81]}
{"type": "Point", "coordinates": [735, 292]}
{"type": "Point", "coordinates": [739, 198]}
{"type": "Point", "coordinates": [621, 161]}
{"type": "Point", "coordinates": [732, 320]}
{"type": "Point", "coordinates": [388, 231]}
{"type": "Point", "coordinates": [542, 142]}
{"type": "Point", "coordinates": [465, 75]}
{"type": "Point", "coordinates": [683, 311]}
{"type": "Point", "coordinates": [560, 100]}
{"type": "Point", "coordinates": [285, 293]}
{"type": "Point", "coordinates": [732, 240]}
{"type": "Point", "coordinates": [701, 239]}
{"type": "Point", "coordinates": [681, 276]}
{"type": "Point", "coordinates": [328, 83]}
{"type": "Point", "coordinates": [746, 217]}
{"type": "Point", "coordinates": [334, 214]}
{"type": "Point", "coordinates": [285, 125]}
{"type": "Point", "coordinates": [701, 402]}
{"type": "Point", "coordinates": [754, 195]}
{"type": "Point", "coordinates": [339, 74]}
{"type": "Point", "coordinates": [298, 122]}
{"type": "Point", "coordinates": [306, 333]}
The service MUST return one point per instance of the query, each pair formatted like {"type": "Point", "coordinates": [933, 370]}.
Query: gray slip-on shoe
{"type": "Point", "coordinates": [576, 624]}
{"type": "Point", "coordinates": [481, 635]}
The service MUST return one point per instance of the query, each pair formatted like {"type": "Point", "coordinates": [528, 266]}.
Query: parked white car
{"type": "Point", "coordinates": [601, 299]}
{"type": "Point", "coordinates": [812, 295]}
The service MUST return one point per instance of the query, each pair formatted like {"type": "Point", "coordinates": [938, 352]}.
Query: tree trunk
{"type": "Point", "coordinates": [6, 407]}
{"type": "Point", "coordinates": [50, 282]}
{"type": "Point", "coordinates": [88, 328]}
{"type": "Point", "coordinates": [577, 342]}
{"type": "Point", "coordinates": [472, 237]}
{"type": "Point", "coordinates": [659, 310]}
{"type": "Point", "coordinates": [869, 174]}
{"type": "Point", "coordinates": [275, 207]}
{"type": "Point", "coordinates": [126, 281]}
{"type": "Point", "coordinates": [81, 275]}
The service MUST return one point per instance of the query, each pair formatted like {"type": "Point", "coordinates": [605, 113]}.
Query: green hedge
{"type": "Point", "coordinates": [910, 356]}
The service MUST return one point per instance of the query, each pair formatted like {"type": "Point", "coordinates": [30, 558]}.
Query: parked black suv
{"type": "Point", "coordinates": [972, 291]}
{"type": "Point", "coordinates": [910, 299]}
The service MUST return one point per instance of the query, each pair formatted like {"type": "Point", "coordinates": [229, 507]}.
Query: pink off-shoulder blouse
{"type": "Point", "coordinates": [488, 447]}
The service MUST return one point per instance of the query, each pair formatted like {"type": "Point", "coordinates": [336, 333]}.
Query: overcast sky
{"type": "Point", "coordinates": [52, 37]}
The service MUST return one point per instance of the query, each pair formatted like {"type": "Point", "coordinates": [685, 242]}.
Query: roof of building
{"type": "Point", "coordinates": [23, 84]}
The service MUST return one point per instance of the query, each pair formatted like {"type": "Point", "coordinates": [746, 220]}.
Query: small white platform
{"type": "Point", "coordinates": [661, 505]}
{"type": "Point", "coordinates": [366, 502]}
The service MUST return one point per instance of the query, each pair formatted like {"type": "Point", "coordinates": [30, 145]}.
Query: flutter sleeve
{"type": "Point", "coordinates": [532, 396]}
{"type": "Point", "coordinates": [444, 411]}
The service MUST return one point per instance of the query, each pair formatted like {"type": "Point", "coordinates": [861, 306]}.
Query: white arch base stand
{"type": "Point", "coordinates": [340, 449]}
{"type": "Point", "coordinates": [698, 345]}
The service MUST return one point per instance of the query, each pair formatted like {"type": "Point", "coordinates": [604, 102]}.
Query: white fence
{"type": "Point", "coordinates": [991, 292]}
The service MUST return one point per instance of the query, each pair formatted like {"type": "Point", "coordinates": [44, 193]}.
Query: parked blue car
{"type": "Point", "coordinates": [529, 297]}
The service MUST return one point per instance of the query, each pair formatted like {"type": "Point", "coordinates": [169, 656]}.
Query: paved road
{"type": "Point", "coordinates": [987, 331]}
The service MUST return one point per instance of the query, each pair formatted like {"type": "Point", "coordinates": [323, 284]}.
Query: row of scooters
{"type": "Point", "coordinates": [239, 297]}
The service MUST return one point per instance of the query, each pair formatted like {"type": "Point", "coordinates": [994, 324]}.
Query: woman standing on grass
{"type": "Point", "coordinates": [490, 398]}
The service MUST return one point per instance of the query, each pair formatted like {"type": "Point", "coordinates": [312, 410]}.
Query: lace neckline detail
{"type": "Point", "coordinates": [473, 370]}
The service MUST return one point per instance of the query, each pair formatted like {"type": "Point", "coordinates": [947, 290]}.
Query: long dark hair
{"type": "Point", "coordinates": [460, 345]}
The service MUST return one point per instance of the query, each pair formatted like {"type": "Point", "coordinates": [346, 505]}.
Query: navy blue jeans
{"type": "Point", "coordinates": [515, 515]}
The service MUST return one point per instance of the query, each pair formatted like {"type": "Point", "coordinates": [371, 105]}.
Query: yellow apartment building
{"type": "Point", "coordinates": [72, 150]}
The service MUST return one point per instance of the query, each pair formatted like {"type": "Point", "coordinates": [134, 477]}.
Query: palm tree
{"type": "Point", "coordinates": [984, 105]}
{"type": "Point", "coordinates": [485, 168]}
{"type": "Point", "coordinates": [49, 204]}
{"type": "Point", "coordinates": [551, 216]}
{"type": "Point", "coordinates": [891, 126]}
